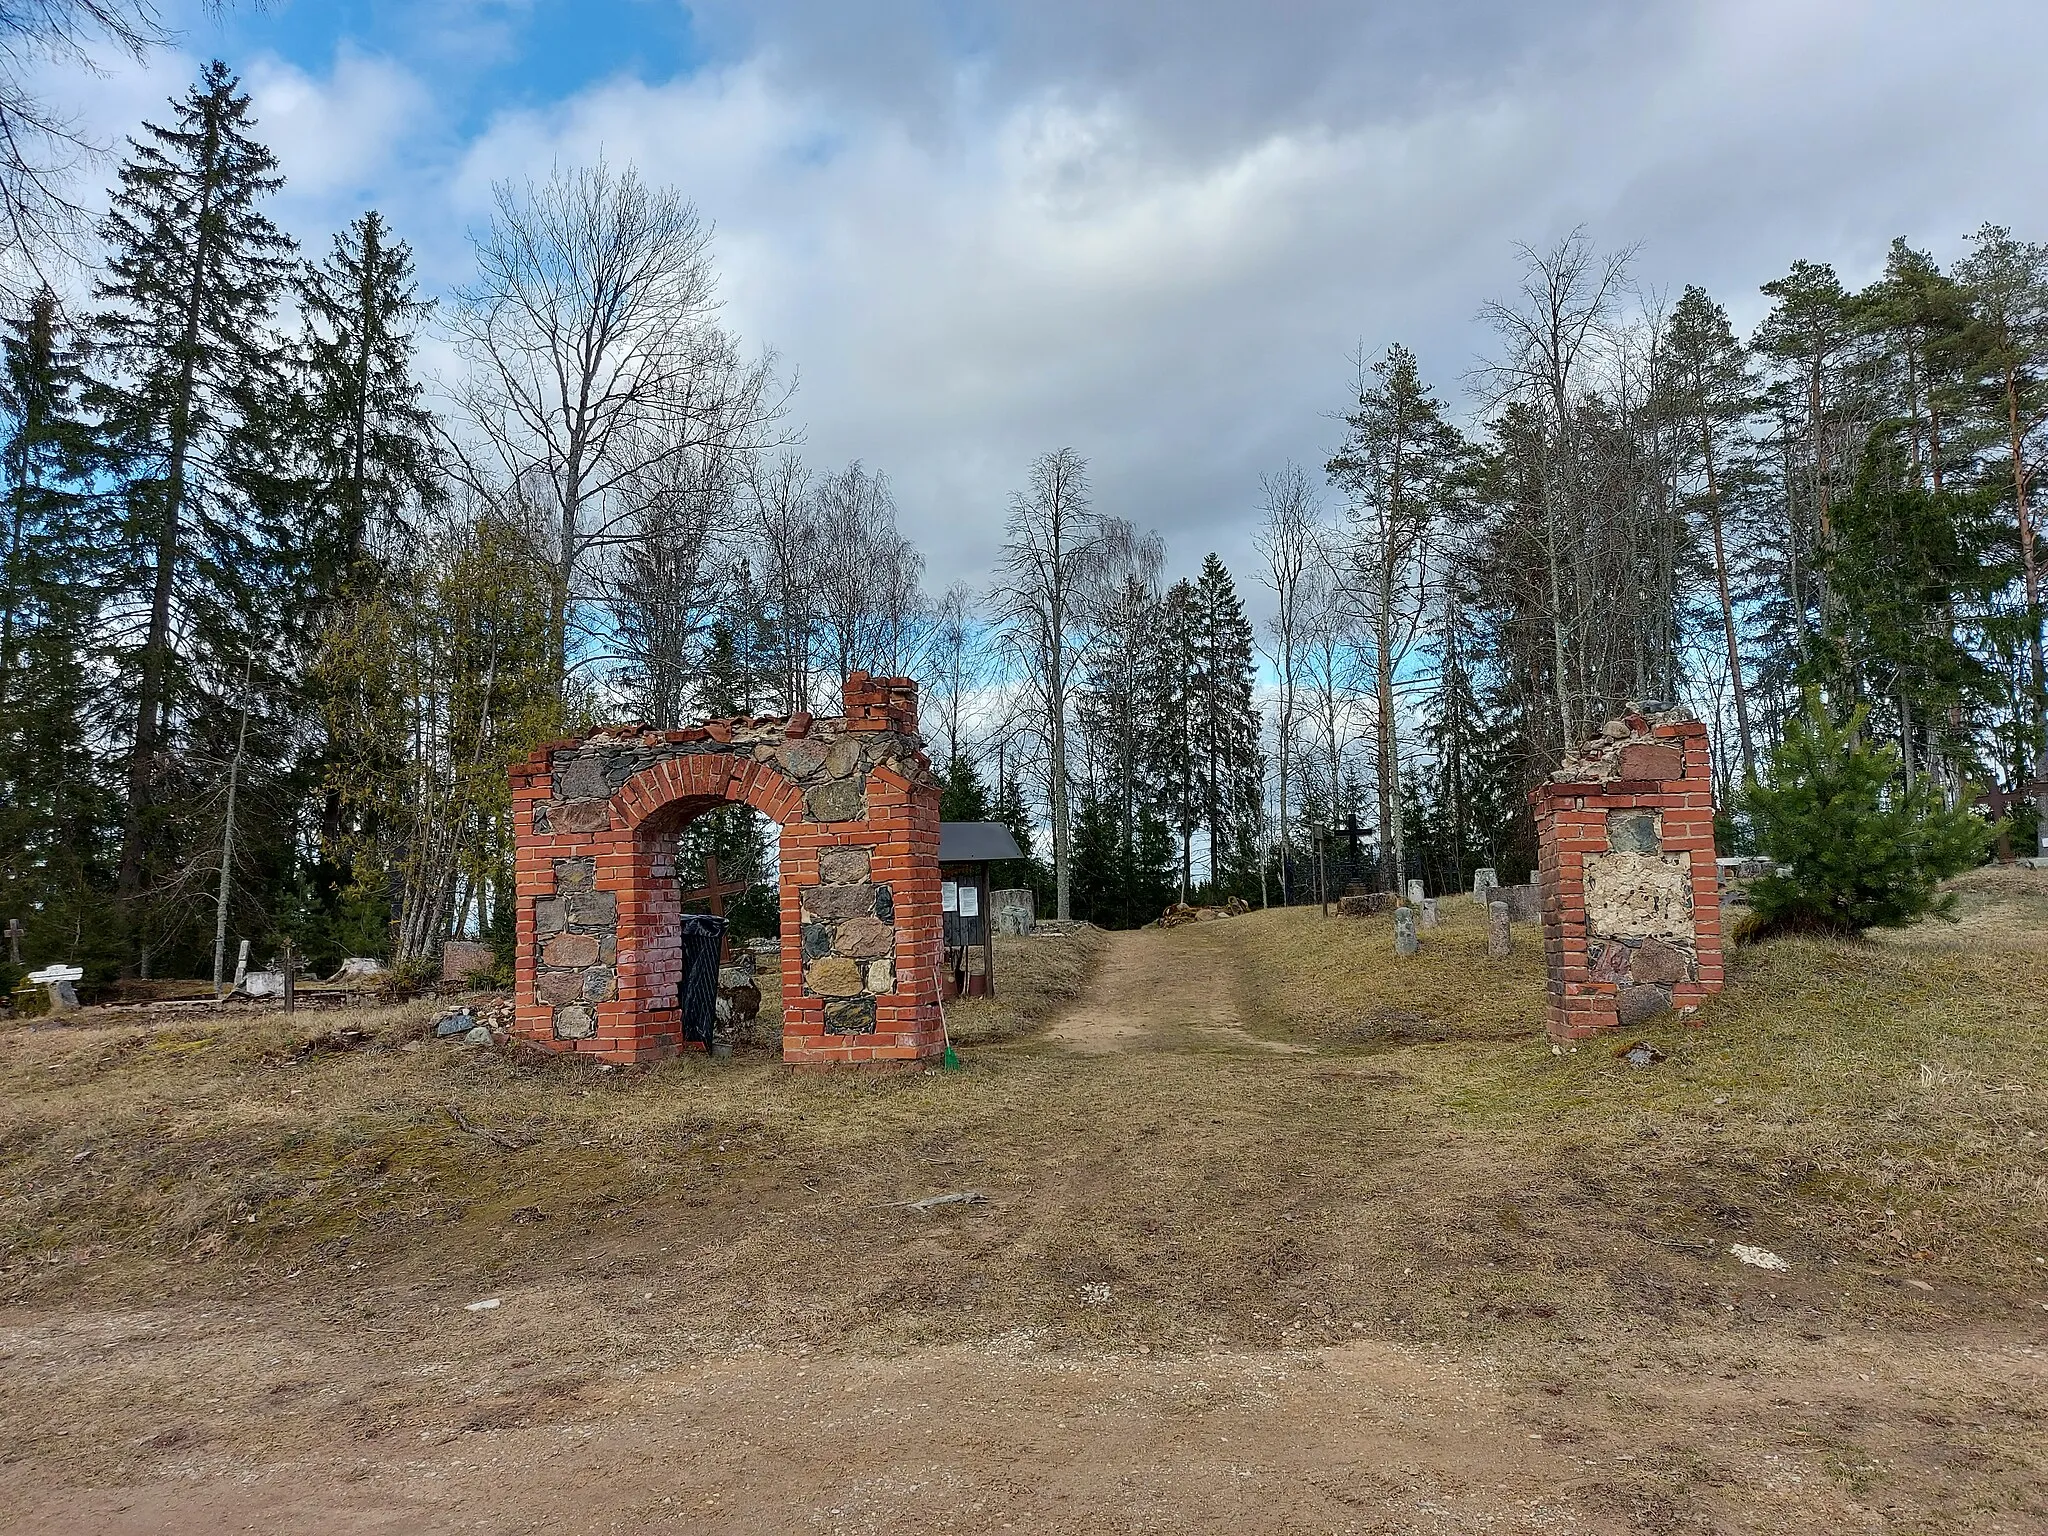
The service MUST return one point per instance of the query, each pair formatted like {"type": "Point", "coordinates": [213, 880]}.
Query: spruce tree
{"type": "Point", "coordinates": [193, 272]}
{"type": "Point", "coordinates": [1225, 723]}
{"type": "Point", "coordinates": [54, 813]}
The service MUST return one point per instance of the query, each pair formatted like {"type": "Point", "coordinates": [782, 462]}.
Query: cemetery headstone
{"type": "Point", "coordinates": [1015, 912]}
{"type": "Point", "coordinates": [1525, 902]}
{"type": "Point", "coordinates": [58, 979]}
{"type": "Point", "coordinates": [1415, 891]}
{"type": "Point", "coordinates": [1484, 883]}
{"type": "Point", "coordinates": [1500, 941]}
{"type": "Point", "coordinates": [1405, 942]}
{"type": "Point", "coordinates": [462, 960]}
{"type": "Point", "coordinates": [1429, 912]}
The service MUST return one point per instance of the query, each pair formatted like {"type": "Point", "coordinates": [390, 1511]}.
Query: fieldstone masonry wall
{"type": "Point", "coordinates": [600, 908]}
{"type": "Point", "coordinates": [1631, 901]}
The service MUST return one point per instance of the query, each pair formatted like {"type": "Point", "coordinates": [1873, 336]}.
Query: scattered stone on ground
{"type": "Point", "coordinates": [1640, 1054]}
{"type": "Point", "coordinates": [1759, 1258]}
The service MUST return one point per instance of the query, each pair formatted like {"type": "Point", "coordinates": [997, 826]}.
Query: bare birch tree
{"type": "Point", "coordinates": [1290, 541]}
{"type": "Point", "coordinates": [594, 358]}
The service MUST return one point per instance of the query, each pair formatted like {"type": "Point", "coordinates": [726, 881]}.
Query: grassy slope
{"type": "Point", "coordinates": [1432, 1174]}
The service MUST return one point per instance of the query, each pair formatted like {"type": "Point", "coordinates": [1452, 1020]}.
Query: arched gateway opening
{"type": "Point", "coordinates": [595, 818]}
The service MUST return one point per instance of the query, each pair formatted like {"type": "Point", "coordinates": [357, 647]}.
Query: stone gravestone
{"type": "Point", "coordinates": [58, 979]}
{"type": "Point", "coordinates": [1484, 883]}
{"type": "Point", "coordinates": [1429, 911]}
{"type": "Point", "coordinates": [1525, 902]}
{"type": "Point", "coordinates": [1500, 941]}
{"type": "Point", "coordinates": [1415, 891]}
{"type": "Point", "coordinates": [1405, 942]}
{"type": "Point", "coordinates": [1015, 912]}
{"type": "Point", "coordinates": [462, 960]}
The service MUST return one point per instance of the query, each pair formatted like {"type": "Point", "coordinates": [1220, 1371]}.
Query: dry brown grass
{"type": "Point", "coordinates": [1430, 1175]}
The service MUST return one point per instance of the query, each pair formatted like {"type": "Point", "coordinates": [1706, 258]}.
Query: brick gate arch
{"type": "Point", "coordinates": [595, 821]}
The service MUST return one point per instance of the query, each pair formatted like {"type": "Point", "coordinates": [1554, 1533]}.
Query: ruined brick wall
{"type": "Point", "coordinates": [1631, 902]}
{"type": "Point", "coordinates": [599, 908]}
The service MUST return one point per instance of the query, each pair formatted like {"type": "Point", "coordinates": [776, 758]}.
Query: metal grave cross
{"type": "Point", "coordinates": [713, 893]}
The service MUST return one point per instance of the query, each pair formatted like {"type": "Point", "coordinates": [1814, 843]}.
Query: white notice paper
{"type": "Point", "coordinates": [949, 896]}
{"type": "Point", "coordinates": [970, 901]}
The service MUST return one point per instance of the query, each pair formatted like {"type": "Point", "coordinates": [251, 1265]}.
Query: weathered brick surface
{"type": "Point", "coordinates": [1631, 902]}
{"type": "Point", "coordinates": [599, 909]}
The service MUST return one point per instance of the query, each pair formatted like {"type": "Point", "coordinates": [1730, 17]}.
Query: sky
{"type": "Point", "coordinates": [1153, 232]}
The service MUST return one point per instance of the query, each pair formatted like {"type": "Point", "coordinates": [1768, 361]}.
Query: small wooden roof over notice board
{"type": "Point", "coordinates": [966, 849]}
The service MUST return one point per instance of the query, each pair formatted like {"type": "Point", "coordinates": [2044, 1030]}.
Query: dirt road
{"type": "Point", "coordinates": [1219, 1283]}
{"type": "Point", "coordinates": [1162, 991]}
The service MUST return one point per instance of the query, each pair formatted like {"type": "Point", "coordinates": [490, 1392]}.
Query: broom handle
{"type": "Point", "coordinates": [939, 994]}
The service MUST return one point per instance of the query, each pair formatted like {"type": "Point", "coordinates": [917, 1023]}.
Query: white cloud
{"type": "Point", "coordinates": [337, 136]}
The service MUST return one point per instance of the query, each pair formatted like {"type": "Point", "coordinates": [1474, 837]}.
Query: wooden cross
{"type": "Point", "coordinates": [14, 932]}
{"type": "Point", "coordinates": [713, 893]}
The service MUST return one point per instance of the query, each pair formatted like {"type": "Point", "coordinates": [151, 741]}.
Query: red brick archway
{"type": "Point", "coordinates": [595, 822]}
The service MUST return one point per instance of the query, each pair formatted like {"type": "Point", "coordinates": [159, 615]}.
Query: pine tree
{"type": "Point", "coordinates": [1856, 848]}
{"type": "Point", "coordinates": [962, 795]}
{"type": "Point", "coordinates": [192, 275]}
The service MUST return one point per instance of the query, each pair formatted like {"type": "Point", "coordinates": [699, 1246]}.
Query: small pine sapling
{"type": "Point", "coordinates": [1855, 845]}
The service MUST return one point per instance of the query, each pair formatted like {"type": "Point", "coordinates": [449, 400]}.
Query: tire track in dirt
{"type": "Point", "coordinates": [1173, 989]}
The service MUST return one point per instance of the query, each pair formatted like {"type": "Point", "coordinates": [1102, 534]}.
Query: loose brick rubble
{"type": "Point", "coordinates": [1631, 901]}
{"type": "Point", "coordinates": [596, 819]}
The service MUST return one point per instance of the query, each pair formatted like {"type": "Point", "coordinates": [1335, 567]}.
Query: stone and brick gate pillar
{"type": "Point", "coordinates": [595, 821]}
{"type": "Point", "coordinates": [1631, 904]}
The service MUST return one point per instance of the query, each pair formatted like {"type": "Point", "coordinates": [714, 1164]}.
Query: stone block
{"type": "Point", "coordinates": [575, 1023]}
{"type": "Point", "coordinates": [1609, 960]}
{"type": "Point", "coordinates": [570, 951]}
{"type": "Point", "coordinates": [1500, 937]}
{"type": "Point", "coordinates": [1635, 832]}
{"type": "Point", "coordinates": [835, 976]}
{"type": "Point", "coordinates": [594, 909]}
{"type": "Point", "coordinates": [800, 759]}
{"type": "Point", "coordinates": [1638, 896]}
{"type": "Point", "coordinates": [1657, 962]}
{"type": "Point", "coordinates": [1639, 1005]}
{"type": "Point", "coordinates": [817, 940]}
{"type": "Point", "coordinates": [881, 976]}
{"type": "Point", "coordinates": [835, 903]}
{"type": "Point", "coordinates": [461, 960]}
{"type": "Point", "coordinates": [865, 938]}
{"type": "Point", "coordinates": [850, 1016]}
{"type": "Point", "coordinates": [842, 757]}
{"type": "Point", "coordinates": [598, 984]}
{"type": "Point", "coordinates": [583, 816]}
{"type": "Point", "coordinates": [575, 875]}
{"type": "Point", "coordinates": [845, 866]}
{"type": "Point", "coordinates": [885, 904]}
{"type": "Point", "coordinates": [839, 800]}
{"type": "Point", "coordinates": [559, 987]}
{"type": "Point", "coordinates": [580, 776]}
{"type": "Point", "coordinates": [1651, 760]}
{"type": "Point", "coordinates": [550, 915]}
